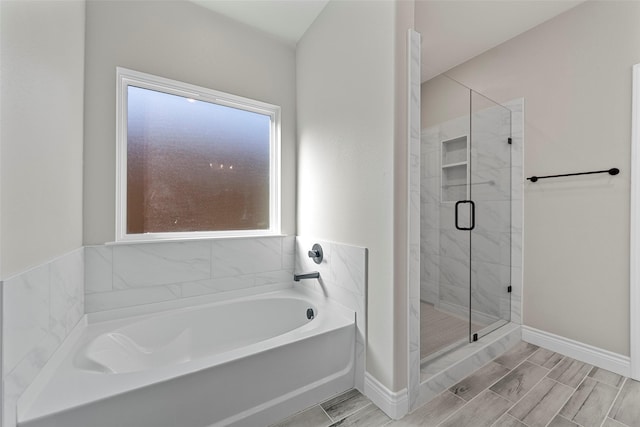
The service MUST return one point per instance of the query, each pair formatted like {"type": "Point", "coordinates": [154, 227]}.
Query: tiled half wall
{"type": "Point", "coordinates": [40, 307]}
{"type": "Point", "coordinates": [343, 279]}
{"type": "Point", "coordinates": [119, 276]}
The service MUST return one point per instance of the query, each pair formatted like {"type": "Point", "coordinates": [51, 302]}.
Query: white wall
{"type": "Point", "coordinates": [575, 74]}
{"type": "Point", "coordinates": [41, 95]}
{"type": "Point", "coordinates": [346, 104]}
{"type": "Point", "coordinates": [404, 20]}
{"type": "Point", "coordinates": [181, 41]}
{"type": "Point", "coordinates": [41, 126]}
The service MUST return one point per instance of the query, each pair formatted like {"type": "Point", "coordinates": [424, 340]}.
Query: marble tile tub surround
{"type": "Point", "coordinates": [40, 307]}
{"type": "Point", "coordinates": [343, 279]}
{"type": "Point", "coordinates": [119, 276]}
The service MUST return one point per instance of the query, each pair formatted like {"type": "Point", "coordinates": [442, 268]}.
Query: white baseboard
{"type": "Point", "coordinates": [394, 404]}
{"type": "Point", "coordinates": [601, 358]}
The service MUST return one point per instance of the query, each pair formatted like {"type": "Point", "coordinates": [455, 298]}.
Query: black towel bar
{"type": "Point", "coordinates": [612, 171]}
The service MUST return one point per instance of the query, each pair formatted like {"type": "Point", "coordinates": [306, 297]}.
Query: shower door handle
{"type": "Point", "coordinates": [472, 217]}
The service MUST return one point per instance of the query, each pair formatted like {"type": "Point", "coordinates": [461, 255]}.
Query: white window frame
{"type": "Point", "coordinates": [126, 78]}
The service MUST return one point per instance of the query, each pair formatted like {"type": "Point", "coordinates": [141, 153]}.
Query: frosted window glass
{"type": "Point", "coordinates": [194, 165]}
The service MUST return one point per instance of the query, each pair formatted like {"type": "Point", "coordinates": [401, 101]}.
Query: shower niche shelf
{"type": "Point", "coordinates": [455, 169]}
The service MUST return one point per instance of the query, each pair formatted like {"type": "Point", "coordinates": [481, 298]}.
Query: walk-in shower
{"type": "Point", "coordinates": [465, 218]}
{"type": "Point", "coordinates": [465, 229]}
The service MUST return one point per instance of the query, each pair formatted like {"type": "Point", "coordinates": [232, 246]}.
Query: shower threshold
{"type": "Point", "coordinates": [446, 370]}
{"type": "Point", "coordinates": [480, 331]}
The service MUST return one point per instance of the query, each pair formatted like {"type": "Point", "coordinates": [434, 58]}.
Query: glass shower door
{"type": "Point", "coordinates": [465, 225]}
{"type": "Point", "coordinates": [490, 195]}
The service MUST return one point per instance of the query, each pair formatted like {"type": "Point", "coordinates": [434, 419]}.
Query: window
{"type": "Point", "coordinates": [194, 162]}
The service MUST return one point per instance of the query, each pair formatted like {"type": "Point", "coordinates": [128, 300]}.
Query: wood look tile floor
{"type": "Point", "coordinates": [526, 387]}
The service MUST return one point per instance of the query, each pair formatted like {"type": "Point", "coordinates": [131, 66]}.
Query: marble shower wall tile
{"type": "Point", "coordinates": [517, 182]}
{"type": "Point", "coordinates": [454, 271]}
{"type": "Point", "coordinates": [40, 307]}
{"type": "Point", "coordinates": [428, 215]}
{"type": "Point", "coordinates": [493, 216]}
{"type": "Point", "coordinates": [454, 244]}
{"type": "Point", "coordinates": [446, 220]}
{"type": "Point", "coordinates": [491, 184]}
{"type": "Point", "coordinates": [429, 292]}
{"type": "Point", "coordinates": [415, 237]}
{"type": "Point", "coordinates": [497, 240]}
{"type": "Point", "coordinates": [516, 295]}
{"type": "Point", "coordinates": [489, 151]}
{"type": "Point", "coordinates": [343, 278]}
{"type": "Point", "coordinates": [429, 234]}
{"type": "Point", "coordinates": [493, 247]}
{"type": "Point", "coordinates": [430, 163]}
{"type": "Point", "coordinates": [429, 267]}
{"type": "Point", "coordinates": [119, 276]}
{"type": "Point", "coordinates": [429, 139]}
{"type": "Point", "coordinates": [430, 192]}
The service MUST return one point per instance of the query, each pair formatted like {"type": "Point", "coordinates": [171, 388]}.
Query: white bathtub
{"type": "Point", "coordinates": [244, 362]}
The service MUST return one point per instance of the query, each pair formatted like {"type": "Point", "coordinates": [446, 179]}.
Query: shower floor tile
{"type": "Point", "coordinates": [439, 329]}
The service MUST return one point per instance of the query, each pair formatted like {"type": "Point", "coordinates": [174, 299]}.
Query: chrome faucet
{"type": "Point", "coordinates": [312, 275]}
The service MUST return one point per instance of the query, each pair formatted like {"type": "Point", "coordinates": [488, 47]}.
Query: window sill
{"type": "Point", "coordinates": [190, 239]}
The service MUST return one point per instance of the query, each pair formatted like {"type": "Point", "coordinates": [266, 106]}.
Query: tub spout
{"type": "Point", "coordinates": [312, 275]}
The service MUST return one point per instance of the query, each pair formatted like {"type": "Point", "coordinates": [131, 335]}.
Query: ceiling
{"type": "Point", "coordinates": [453, 31]}
{"type": "Point", "coordinates": [287, 20]}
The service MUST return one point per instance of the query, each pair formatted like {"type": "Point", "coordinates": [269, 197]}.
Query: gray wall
{"type": "Point", "coordinates": [181, 41]}
{"type": "Point", "coordinates": [42, 45]}
{"type": "Point", "coordinates": [574, 72]}
{"type": "Point", "coordinates": [347, 124]}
